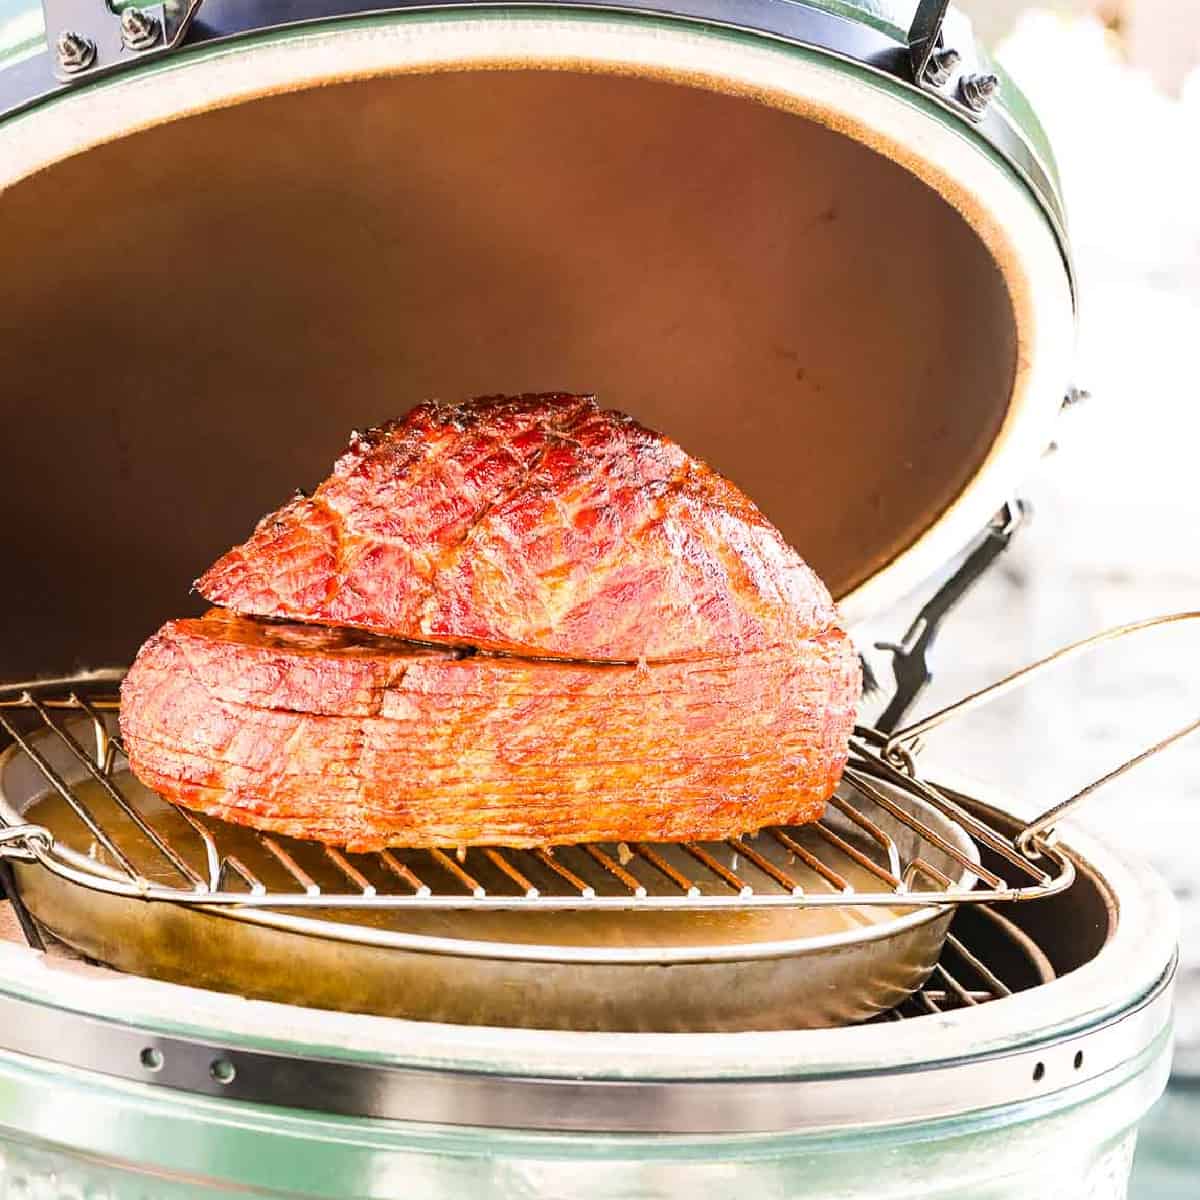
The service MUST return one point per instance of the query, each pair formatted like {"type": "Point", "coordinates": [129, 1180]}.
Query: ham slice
{"type": "Point", "coordinates": [355, 743]}
{"type": "Point", "coordinates": [515, 621]}
{"type": "Point", "coordinates": [540, 525]}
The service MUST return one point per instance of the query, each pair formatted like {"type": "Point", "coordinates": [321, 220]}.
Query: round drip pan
{"type": "Point", "coordinates": [714, 970]}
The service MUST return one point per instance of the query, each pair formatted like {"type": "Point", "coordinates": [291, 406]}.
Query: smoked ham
{"type": "Point", "coordinates": [538, 525]}
{"type": "Point", "coordinates": [515, 621]}
{"type": "Point", "coordinates": [368, 745]}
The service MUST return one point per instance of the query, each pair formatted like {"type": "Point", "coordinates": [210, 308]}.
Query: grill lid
{"type": "Point", "coordinates": [810, 273]}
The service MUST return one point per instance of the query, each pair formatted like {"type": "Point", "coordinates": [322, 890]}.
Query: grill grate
{"type": "Point", "coordinates": [127, 841]}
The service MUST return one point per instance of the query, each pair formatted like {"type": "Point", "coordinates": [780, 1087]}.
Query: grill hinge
{"type": "Point", "coordinates": [925, 34]}
{"type": "Point", "coordinates": [910, 657]}
{"type": "Point", "coordinates": [89, 36]}
{"type": "Point", "coordinates": [945, 59]}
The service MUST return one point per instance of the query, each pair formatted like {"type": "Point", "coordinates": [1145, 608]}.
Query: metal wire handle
{"type": "Point", "coordinates": [20, 841]}
{"type": "Point", "coordinates": [1040, 831]}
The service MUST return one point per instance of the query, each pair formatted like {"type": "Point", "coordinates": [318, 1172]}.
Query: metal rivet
{"type": "Point", "coordinates": [222, 1070]}
{"type": "Point", "coordinates": [75, 52]}
{"type": "Point", "coordinates": [139, 30]}
{"type": "Point", "coordinates": [151, 1058]}
{"type": "Point", "coordinates": [977, 91]}
{"type": "Point", "coordinates": [941, 66]}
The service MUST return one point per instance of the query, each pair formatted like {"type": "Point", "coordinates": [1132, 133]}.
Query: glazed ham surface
{"type": "Point", "coordinates": [535, 525]}
{"type": "Point", "coordinates": [518, 622]}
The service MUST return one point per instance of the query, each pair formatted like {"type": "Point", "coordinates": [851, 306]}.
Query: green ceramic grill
{"type": "Point", "coordinates": [820, 244]}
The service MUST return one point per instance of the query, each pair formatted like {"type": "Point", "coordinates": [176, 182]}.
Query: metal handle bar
{"type": "Point", "coordinates": [20, 841]}
{"type": "Point", "coordinates": [1040, 829]}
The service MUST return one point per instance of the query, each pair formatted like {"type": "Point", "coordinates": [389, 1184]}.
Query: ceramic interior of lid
{"type": "Point", "coordinates": [198, 312]}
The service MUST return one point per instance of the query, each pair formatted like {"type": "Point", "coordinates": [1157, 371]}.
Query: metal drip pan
{"type": "Point", "coordinates": [723, 969]}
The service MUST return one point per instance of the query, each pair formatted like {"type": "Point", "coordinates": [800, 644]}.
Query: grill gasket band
{"type": "Point", "coordinates": [704, 1106]}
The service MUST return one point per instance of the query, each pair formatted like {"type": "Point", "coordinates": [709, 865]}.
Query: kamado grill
{"type": "Point", "coordinates": [821, 246]}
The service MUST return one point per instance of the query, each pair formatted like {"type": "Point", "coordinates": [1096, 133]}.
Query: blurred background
{"type": "Point", "coordinates": [1116, 531]}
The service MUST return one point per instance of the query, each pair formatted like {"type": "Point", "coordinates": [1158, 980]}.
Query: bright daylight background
{"type": "Point", "coordinates": [1116, 534]}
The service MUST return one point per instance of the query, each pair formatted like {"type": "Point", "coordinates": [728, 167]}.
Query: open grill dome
{"type": "Point", "coordinates": [812, 283]}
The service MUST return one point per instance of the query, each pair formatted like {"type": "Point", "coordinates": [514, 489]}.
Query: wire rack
{"type": "Point", "coordinates": [128, 842]}
{"type": "Point", "coordinates": [134, 844]}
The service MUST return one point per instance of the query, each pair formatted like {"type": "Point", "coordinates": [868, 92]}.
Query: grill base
{"type": "Point", "coordinates": [1075, 1147]}
{"type": "Point", "coordinates": [986, 1100]}
{"type": "Point", "coordinates": [1071, 1167]}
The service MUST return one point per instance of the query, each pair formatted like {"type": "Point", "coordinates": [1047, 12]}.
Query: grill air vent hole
{"type": "Point", "coordinates": [151, 1058]}
{"type": "Point", "coordinates": [222, 1070]}
{"type": "Point", "coordinates": [1078, 1059]}
{"type": "Point", "coordinates": [1039, 1072]}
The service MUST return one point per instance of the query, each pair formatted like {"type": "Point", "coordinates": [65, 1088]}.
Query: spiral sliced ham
{"type": "Point", "coordinates": [518, 622]}
{"type": "Point", "coordinates": [367, 746]}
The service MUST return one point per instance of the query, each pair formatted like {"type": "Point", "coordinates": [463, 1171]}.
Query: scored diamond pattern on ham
{"type": "Point", "coordinates": [514, 621]}
{"type": "Point", "coordinates": [533, 525]}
